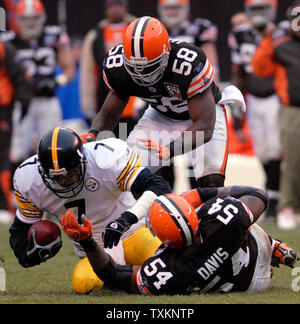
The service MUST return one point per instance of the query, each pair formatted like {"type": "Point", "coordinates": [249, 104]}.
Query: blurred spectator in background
{"type": "Point", "coordinates": [108, 33]}
{"type": "Point", "coordinates": [278, 56]}
{"type": "Point", "coordinates": [39, 49]}
{"type": "Point", "coordinates": [174, 14]}
{"type": "Point", "coordinates": [240, 141]}
{"type": "Point", "coordinates": [14, 89]}
{"type": "Point", "coordinates": [262, 101]}
{"type": "Point", "coordinates": [201, 32]}
{"type": "Point", "coordinates": [69, 95]}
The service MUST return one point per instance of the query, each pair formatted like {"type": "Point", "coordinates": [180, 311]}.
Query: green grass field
{"type": "Point", "coordinates": [50, 283]}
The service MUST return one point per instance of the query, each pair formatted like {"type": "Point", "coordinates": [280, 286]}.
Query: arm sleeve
{"type": "Point", "coordinates": [147, 181]}
{"type": "Point", "coordinates": [18, 240]}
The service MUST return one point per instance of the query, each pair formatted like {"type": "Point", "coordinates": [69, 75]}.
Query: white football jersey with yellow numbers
{"type": "Point", "coordinates": [112, 167]}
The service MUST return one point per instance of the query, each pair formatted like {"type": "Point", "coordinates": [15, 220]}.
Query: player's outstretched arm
{"type": "Point", "coordinates": [114, 275]}
{"type": "Point", "coordinates": [110, 113]}
{"type": "Point", "coordinates": [255, 199]}
{"type": "Point", "coordinates": [107, 118]}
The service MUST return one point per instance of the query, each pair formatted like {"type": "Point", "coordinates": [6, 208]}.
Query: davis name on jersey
{"type": "Point", "coordinates": [112, 168]}
{"type": "Point", "coordinates": [188, 73]}
{"type": "Point", "coordinates": [225, 260]}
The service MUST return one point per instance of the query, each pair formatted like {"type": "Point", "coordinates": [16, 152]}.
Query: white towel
{"type": "Point", "coordinates": [232, 95]}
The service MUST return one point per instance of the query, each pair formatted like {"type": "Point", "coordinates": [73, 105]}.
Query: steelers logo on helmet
{"type": "Point", "coordinates": [62, 162]}
{"type": "Point", "coordinates": [31, 17]}
{"type": "Point", "coordinates": [173, 220]}
{"type": "Point", "coordinates": [146, 50]}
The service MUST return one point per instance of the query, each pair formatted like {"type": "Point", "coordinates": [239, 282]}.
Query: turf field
{"type": "Point", "coordinates": [51, 282]}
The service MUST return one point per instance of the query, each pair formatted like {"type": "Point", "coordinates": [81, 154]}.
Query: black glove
{"type": "Point", "coordinates": [114, 230]}
{"type": "Point", "coordinates": [36, 254]}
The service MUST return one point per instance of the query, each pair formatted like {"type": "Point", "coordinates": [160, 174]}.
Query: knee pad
{"type": "Point", "coordinates": [84, 279]}
{"type": "Point", "coordinates": [140, 246]}
{"type": "Point", "coordinates": [212, 180]}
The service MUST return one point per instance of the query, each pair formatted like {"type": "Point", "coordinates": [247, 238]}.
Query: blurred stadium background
{"type": "Point", "coordinates": [81, 16]}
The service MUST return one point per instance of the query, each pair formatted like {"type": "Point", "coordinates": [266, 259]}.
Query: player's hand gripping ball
{"type": "Point", "coordinates": [44, 242]}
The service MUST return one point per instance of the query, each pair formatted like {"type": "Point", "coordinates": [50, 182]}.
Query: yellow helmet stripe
{"type": "Point", "coordinates": [54, 148]}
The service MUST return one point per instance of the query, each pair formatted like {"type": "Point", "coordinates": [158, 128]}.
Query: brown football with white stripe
{"type": "Point", "coordinates": [46, 232]}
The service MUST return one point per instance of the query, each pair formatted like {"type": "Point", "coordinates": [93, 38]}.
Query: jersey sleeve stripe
{"type": "Point", "coordinates": [142, 288]}
{"type": "Point", "coordinates": [133, 175]}
{"type": "Point", "coordinates": [106, 81]}
{"type": "Point", "coordinates": [202, 86]}
{"type": "Point", "coordinates": [199, 76]}
{"type": "Point", "coordinates": [126, 167]}
{"type": "Point", "coordinates": [200, 80]}
{"type": "Point", "coordinates": [29, 210]}
{"type": "Point", "coordinates": [26, 207]}
{"type": "Point", "coordinates": [19, 196]}
{"type": "Point", "coordinates": [125, 184]}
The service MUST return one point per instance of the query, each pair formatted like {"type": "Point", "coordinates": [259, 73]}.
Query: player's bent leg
{"type": "Point", "coordinates": [210, 160]}
{"type": "Point", "coordinates": [84, 279]}
{"type": "Point", "coordinates": [262, 275]}
{"type": "Point", "coordinates": [140, 246]}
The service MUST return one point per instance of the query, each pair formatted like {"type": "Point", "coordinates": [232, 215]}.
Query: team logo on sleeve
{"type": "Point", "coordinates": [92, 184]}
{"type": "Point", "coordinates": [173, 90]}
{"type": "Point", "coordinates": [198, 68]}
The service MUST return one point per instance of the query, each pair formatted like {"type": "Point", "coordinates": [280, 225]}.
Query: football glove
{"type": "Point", "coordinates": [72, 228]}
{"type": "Point", "coordinates": [114, 230]}
{"type": "Point", "coordinates": [159, 150]}
{"type": "Point", "coordinates": [86, 138]}
{"type": "Point", "coordinates": [36, 254]}
{"type": "Point", "coordinates": [283, 254]}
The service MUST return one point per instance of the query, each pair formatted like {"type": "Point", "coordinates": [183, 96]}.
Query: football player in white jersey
{"type": "Point", "coordinates": [101, 180]}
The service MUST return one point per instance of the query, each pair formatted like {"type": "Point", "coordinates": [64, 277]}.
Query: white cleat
{"type": "Point", "coordinates": [286, 219]}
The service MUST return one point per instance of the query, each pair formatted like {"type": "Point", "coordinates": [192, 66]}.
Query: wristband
{"type": "Point", "coordinates": [89, 245]}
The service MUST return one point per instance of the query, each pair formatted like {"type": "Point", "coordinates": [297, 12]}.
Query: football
{"type": "Point", "coordinates": [45, 232]}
